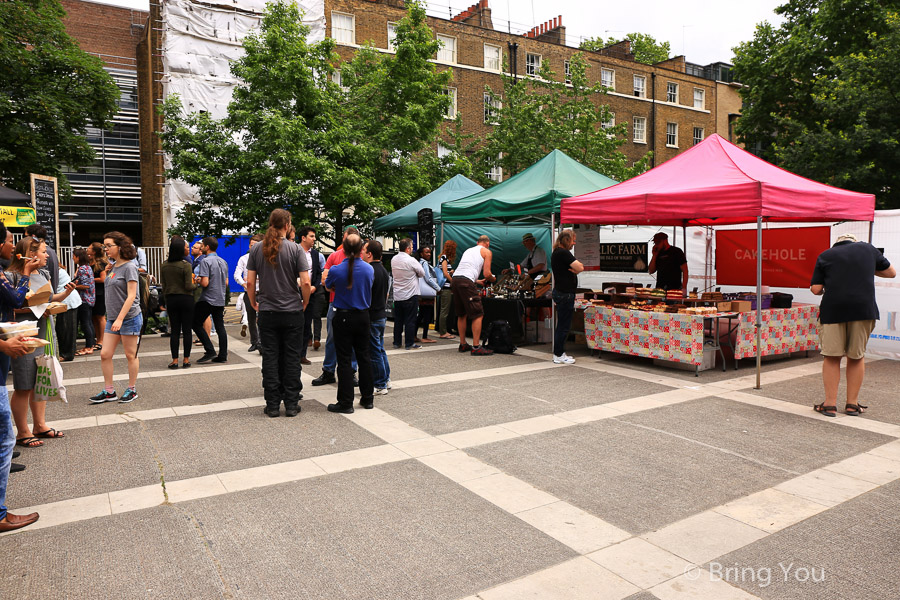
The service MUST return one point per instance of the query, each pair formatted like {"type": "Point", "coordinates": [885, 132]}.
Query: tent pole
{"type": "Point", "coordinates": [552, 285]}
{"type": "Point", "coordinates": [758, 301]}
{"type": "Point", "coordinates": [684, 240]}
{"type": "Point", "coordinates": [871, 229]}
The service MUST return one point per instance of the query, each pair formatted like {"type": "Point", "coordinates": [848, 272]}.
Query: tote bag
{"type": "Point", "coordinates": [49, 384]}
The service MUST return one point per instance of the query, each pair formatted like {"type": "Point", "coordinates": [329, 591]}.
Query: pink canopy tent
{"type": "Point", "coordinates": [717, 183]}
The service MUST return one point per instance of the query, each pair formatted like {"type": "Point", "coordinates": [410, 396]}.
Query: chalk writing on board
{"type": "Point", "coordinates": [44, 197]}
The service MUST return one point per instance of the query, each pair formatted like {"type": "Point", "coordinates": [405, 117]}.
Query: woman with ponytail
{"type": "Point", "coordinates": [279, 304]}
{"type": "Point", "coordinates": [351, 282]}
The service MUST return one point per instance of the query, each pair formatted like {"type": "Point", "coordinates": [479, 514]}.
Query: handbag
{"type": "Point", "coordinates": [48, 386]}
{"type": "Point", "coordinates": [425, 290]}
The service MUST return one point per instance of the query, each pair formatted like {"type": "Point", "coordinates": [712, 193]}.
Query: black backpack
{"type": "Point", "coordinates": [499, 337]}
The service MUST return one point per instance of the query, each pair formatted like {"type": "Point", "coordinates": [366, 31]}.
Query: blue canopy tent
{"type": "Point", "coordinates": [407, 217]}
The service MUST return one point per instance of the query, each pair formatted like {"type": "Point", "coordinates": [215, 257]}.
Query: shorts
{"type": "Point", "coordinates": [130, 326]}
{"type": "Point", "coordinates": [466, 300]}
{"type": "Point", "coordinates": [845, 339]}
{"type": "Point", "coordinates": [24, 368]}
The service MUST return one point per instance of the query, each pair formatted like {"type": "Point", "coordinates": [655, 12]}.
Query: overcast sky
{"type": "Point", "coordinates": [704, 31]}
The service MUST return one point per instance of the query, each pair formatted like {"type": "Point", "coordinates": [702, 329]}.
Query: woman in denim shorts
{"type": "Point", "coordinates": [123, 316]}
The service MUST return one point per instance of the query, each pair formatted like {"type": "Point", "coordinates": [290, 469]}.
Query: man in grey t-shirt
{"type": "Point", "coordinates": [213, 274]}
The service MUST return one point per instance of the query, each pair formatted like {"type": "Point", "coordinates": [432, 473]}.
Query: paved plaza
{"type": "Point", "coordinates": [492, 478]}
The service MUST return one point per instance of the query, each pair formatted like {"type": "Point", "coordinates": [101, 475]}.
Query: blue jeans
{"type": "Point", "coordinates": [381, 370]}
{"type": "Point", "coordinates": [330, 362]}
{"type": "Point", "coordinates": [565, 308]}
{"type": "Point", "coordinates": [406, 313]}
{"type": "Point", "coordinates": [7, 437]}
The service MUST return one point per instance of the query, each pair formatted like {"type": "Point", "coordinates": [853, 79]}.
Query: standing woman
{"type": "Point", "coordinates": [178, 297]}
{"type": "Point", "coordinates": [447, 258]}
{"type": "Point", "coordinates": [30, 261]}
{"type": "Point", "coordinates": [428, 290]}
{"type": "Point", "coordinates": [123, 306]}
{"type": "Point", "coordinates": [98, 265]}
{"type": "Point", "coordinates": [279, 305]}
{"type": "Point", "coordinates": [84, 283]}
{"type": "Point", "coordinates": [565, 283]}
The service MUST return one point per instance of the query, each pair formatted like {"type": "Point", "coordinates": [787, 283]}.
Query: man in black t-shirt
{"type": "Point", "coordinates": [669, 263]}
{"type": "Point", "coordinates": [845, 276]}
{"type": "Point", "coordinates": [565, 282]}
{"type": "Point", "coordinates": [381, 370]}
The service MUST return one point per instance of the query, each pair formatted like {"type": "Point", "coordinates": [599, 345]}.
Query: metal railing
{"type": "Point", "coordinates": [156, 256]}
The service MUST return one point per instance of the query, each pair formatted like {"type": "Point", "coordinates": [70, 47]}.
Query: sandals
{"type": "Point", "coordinates": [29, 442]}
{"type": "Point", "coordinates": [85, 351]}
{"type": "Point", "coordinates": [854, 410]}
{"type": "Point", "coordinates": [173, 364]}
{"type": "Point", "coordinates": [97, 347]}
{"type": "Point", "coordinates": [828, 411]}
{"type": "Point", "coordinates": [50, 433]}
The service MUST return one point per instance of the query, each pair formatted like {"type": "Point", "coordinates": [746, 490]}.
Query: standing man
{"type": "Point", "coordinates": [670, 262]}
{"type": "Point", "coordinates": [248, 320]}
{"type": "Point", "coordinates": [381, 369]}
{"type": "Point", "coordinates": [213, 273]}
{"type": "Point", "coordinates": [351, 282]}
{"type": "Point", "coordinates": [406, 272]}
{"type": "Point", "coordinates": [307, 240]}
{"type": "Point", "coordinates": [565, 282]}
{"type": "Point", "coordinates": [845, 276]}
{"type": "Point", "coordinates": [329, 364]}
{"type": "Point", "coordinates": [10, 299]}
{"type": "Point", "coordinates": [466, 300]}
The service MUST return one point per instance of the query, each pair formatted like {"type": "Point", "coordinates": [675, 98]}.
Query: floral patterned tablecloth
{"type": "Point", "coordinates": [784, 330]}
{"type": "Point", "coordinates": [665, 336]}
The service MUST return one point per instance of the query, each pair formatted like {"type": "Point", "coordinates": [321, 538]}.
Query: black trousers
{"type": "Point", "coordinates": [280, 337]}
{"type": "Point", "coordinates": [66, 330]}
{"type": "Point", "coordinates": [406, 312]}
{"type": "Point", "coordinates": [352, 333]}
{"type": "Point", "coordinates": [180, 308]}
{"type": "Point", "coordinates": [202, 310]}
{"type": "Point", "coordinates": [86, 321]}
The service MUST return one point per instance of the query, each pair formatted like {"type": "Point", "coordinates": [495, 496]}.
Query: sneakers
{"type": "Point", "coordinates": [465, 347]}
{"type": "Point", "coordinates": [481, 351]}
{"type": "Point", "coordinates": [389, 386]}
{"type": "Point", "coordinates": [565, 359]}
{"type": "Point", "coordinates": [381, 391]}
{"type": "Point", "coordinates": [324, 378]}
{"type": "Point", "coordinates": [104, 396]}
{"type": "Point", "coordinates": [130, 395]}
{"type": "Point", "coordinates": [414, 347]}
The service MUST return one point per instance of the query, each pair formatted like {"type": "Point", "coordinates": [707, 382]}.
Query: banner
{"type": "Point", "coordinates": [788, 256]}
{"type": "Point", "coordinates": [17, 216]}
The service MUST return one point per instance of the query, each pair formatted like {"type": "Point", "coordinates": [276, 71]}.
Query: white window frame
{"type": "Point", "coordinates": [640, 91]}
{"type": "Point", "coordinates": [451, 114]}
{"type": "Point", "coordinates": [443, 151]}
{"type": "Point", "coordinates": [495, 173]}
{"type": "Point", "coordinates": [702, 98]}
{"type": "Point", "coordinates": [490, 114]}
{"type": "Point", "coordinates": [444, 54]}
{"type": "Point", "coordinates": [488, 59]}
{"type": "Point", "coordinates": [338, 78]}
{"type": "Point", "coordinates": [701, 137]}
{"type": "Point", "coordinates": [352, 32]}
{"type": "Point", "coordinates": [391, 29]}
{"type": "Point", "coordinates": [639, 124]}
{"type": "Point", "coordinates": [567, 71]}
{"type": "Point", "coordinates": [609, 123]}
{"type": "Point", "coordinates": [671, 135]}
{"type": "Point", "coordinates": [534, 69]}
{"type": "Point", "coordinates": [672, 92]}
{"type": "Point", "coordinates": [611, 73]}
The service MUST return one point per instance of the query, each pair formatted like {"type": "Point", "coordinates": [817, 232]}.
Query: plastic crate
{"type": "Point", "coordinates": [766, 301]}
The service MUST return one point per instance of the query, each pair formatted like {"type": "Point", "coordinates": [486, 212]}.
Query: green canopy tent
{"type": "Point", "coordinates": [407, 217]}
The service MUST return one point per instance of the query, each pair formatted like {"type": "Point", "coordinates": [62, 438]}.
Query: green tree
{"type": "Point", "coordinates": [644, 47]}
{"type": "Point", "coordinates": [50, 92]}
{"type": "Point", "coordinates": [538, 115]}
{"type": "Point", "coordinates": [333, 154]}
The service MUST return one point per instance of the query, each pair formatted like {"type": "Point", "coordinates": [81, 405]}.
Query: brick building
{"type": "Point", "coordinates": [107, 194]}
{"type": "Point", "coordinates": [667, 107]}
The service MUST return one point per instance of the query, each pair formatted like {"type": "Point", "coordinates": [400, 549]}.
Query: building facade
{"type": "Point", "coordinates": [107, 193]}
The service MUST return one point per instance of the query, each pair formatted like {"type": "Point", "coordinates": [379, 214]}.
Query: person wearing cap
{"type": "Point", "coordinates": [535, 261]}
{"type": "Point", "coordinates": [669, 263]}
{"type": "Point", "coordinates": [844, 276]}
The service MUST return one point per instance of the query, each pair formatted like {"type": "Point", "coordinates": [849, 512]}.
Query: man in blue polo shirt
{"type": "Point", "coordinates": [351, 282]}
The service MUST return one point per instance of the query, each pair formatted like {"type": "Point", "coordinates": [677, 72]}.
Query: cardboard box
{"type": "Point", "coordinates": [741, 306]}
{"type": "Point", "coordinates": [39, 296]}
{"type": "Point", "coordinates": [724, 306]}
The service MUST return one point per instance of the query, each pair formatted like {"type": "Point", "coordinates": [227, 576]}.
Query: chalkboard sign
{"type": "Point", "coordinates": [43, 197]}
{"type": "Point", "coordinates": [628, 257]}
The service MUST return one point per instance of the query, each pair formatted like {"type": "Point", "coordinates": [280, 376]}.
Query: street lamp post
{"type": "Point", "coordinates": [71, 216]}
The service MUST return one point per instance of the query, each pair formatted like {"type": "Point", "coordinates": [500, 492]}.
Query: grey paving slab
{"type": "Point", "coordinates": [878, 391]}
{"type": "Point", "coordinates": [393, 531]}
{"type": "Point", "coordinates": [636, 478]}
{"type": "Point", "coordinates": [204, 444]}
{"type": "Point", "coordinates": [747, 366]}
{"type": "Point", "coordinates": [789, 441]}
{"type": "Point", "coordinates": [80, 368]}
{"type": "Point", "coordinates": [449, 407]}
{"type": "Point", "coordinates": [641, 595]}
{"type": "Point", "coordinates": [856, 544]}
{"type": "Point", "coordinates": [195, 387]}
{"type": "Point", "coordinates": [157, 553]}
{"type": "Point", "coordinates": [87, 461]}
{"type": "Point", "coordinates": [413, 364]}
